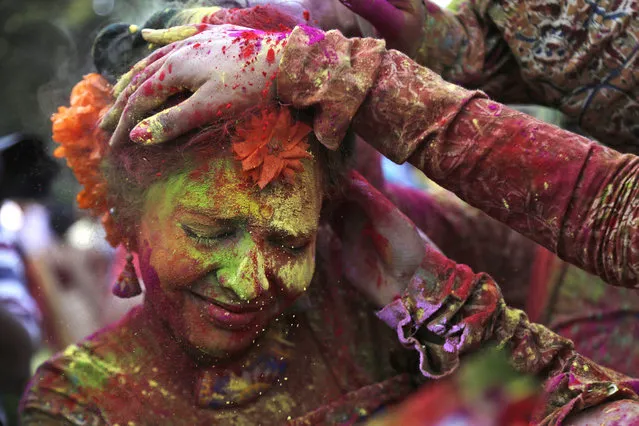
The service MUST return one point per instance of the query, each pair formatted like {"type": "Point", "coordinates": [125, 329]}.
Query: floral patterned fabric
{"type": "Point", "coordinates": [580, 56]}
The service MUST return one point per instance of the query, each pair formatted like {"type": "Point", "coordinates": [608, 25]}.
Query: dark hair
{"type": "Point", "coordinates": [130, 169]}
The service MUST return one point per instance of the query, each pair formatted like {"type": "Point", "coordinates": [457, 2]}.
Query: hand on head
{"type": "Point", "coordinates": [221, 68]}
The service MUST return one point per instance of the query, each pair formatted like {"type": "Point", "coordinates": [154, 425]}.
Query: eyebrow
{"type": "Point", "coordinates": [213, 215]}
{"type": "Point", "coordinates": [208, 213]}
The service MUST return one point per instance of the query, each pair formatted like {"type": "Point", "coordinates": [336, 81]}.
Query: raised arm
{"type": "Point", "coordinates": [471, 237]}
{"type": "Point", "coordinates": [444, 310]}
{"type": "Point", "coordinates": [462, 45]}
{"type": "Point", "coordinates": [569, 194]}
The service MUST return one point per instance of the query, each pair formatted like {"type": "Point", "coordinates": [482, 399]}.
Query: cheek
{"type": "Point", "coordinates": [170, 261]}
{"type": "Point", "coordinates": [295, 275]}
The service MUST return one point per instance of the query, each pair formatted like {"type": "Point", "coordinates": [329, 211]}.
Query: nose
{"type": "Point", "coordinates": [246, 275]}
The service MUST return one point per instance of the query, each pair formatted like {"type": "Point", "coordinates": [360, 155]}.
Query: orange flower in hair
{"type": "Point", "coordinates": [83, 144]}
{"type": "Point", "coordinates": [271, 145]}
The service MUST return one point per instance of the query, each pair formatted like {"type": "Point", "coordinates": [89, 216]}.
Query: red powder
{"type": "Point", "coordinates": [270, 56]}
{"type": "Point", "coordinates": [265, 18]}
{"type": "Point", "coordinates": [170, 68]}
{"type": "Point", "coordinates": [247, 51]}
{"type": "Point", "coordinates": [141, 134]}
{"type": "Point", "coordinates": [250, 40]}
{"type": "Point", "coordinates": [200, 172]}
{"type": "Point", "coordinates": [147, 89]}
{"type": "Point", "coordinates": [162, 75]}
{"type": "Point", "coordinates": [381, 244]}
{"type": "Point", "coordinates": [307, 15]}
{"type": "Point", "coordinates": [249, 35]}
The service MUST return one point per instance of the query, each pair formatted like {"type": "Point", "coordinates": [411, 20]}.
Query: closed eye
{"type": "Point", "coordinates": [208, 237]}
{"type": "Point", "coordinates": [293, 245]}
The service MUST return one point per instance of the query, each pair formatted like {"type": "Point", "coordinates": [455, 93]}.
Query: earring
{"type": "Point", "coordinates": [127, 285]}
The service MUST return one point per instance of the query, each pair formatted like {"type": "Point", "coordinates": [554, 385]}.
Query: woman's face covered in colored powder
{"type": "Point", "coordinates": [220, 259]}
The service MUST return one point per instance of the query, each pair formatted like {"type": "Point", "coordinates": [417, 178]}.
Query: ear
{"type": "Point", "coordinates": [131, 239]}
{"type": "Point", "coordinates": [132, 246]}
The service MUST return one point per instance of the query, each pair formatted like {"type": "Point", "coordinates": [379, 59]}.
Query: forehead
{"type": "Point", "coordinates": [217, 189]}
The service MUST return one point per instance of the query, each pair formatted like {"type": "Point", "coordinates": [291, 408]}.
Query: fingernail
{"type": "Point", "coordinates": [142, 134]}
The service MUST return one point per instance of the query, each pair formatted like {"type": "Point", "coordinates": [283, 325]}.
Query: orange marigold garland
{"type": "Point", "coordinates": [84, 144]}
{"type": "Point", "coordinates": [271, 145]}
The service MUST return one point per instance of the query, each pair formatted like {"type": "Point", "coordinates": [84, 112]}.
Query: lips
{"type": "Point", "coordinates": [230, 317]}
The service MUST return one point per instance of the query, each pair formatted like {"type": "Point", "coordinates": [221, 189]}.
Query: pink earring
{"type": "Point", "coordinates": [127, 285]}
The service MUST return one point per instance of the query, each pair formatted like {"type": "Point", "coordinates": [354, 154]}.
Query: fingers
{"type": "Point", "coordinates": [112, 118]}
{"type": "Point", "coordinates": [385, 17]}
{"type": "Point", "coordinates": [148, 97]}
{"type": "Point", "coordinates": [124, 81]}
{"type": "Point", "coordinates": [218, 86]}
{"type": "Point", "coordinates": [177, 120]}
{"type": "Point", "coordinates": [171, 35]}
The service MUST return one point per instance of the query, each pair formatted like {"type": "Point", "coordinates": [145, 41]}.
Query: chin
{"type": "Point", "coordinates": [220, 336]}
{"type": "Point", "coordinates": [223, 343]}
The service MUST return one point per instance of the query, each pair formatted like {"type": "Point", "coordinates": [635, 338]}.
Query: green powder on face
{"type": "Point", "coordinates": [220, 192]}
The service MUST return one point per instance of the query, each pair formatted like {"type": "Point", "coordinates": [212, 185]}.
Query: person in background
{"type": "Point", "coordinates": [577, 56]}
{"type": "Point", "coordinates": [26, 172]}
